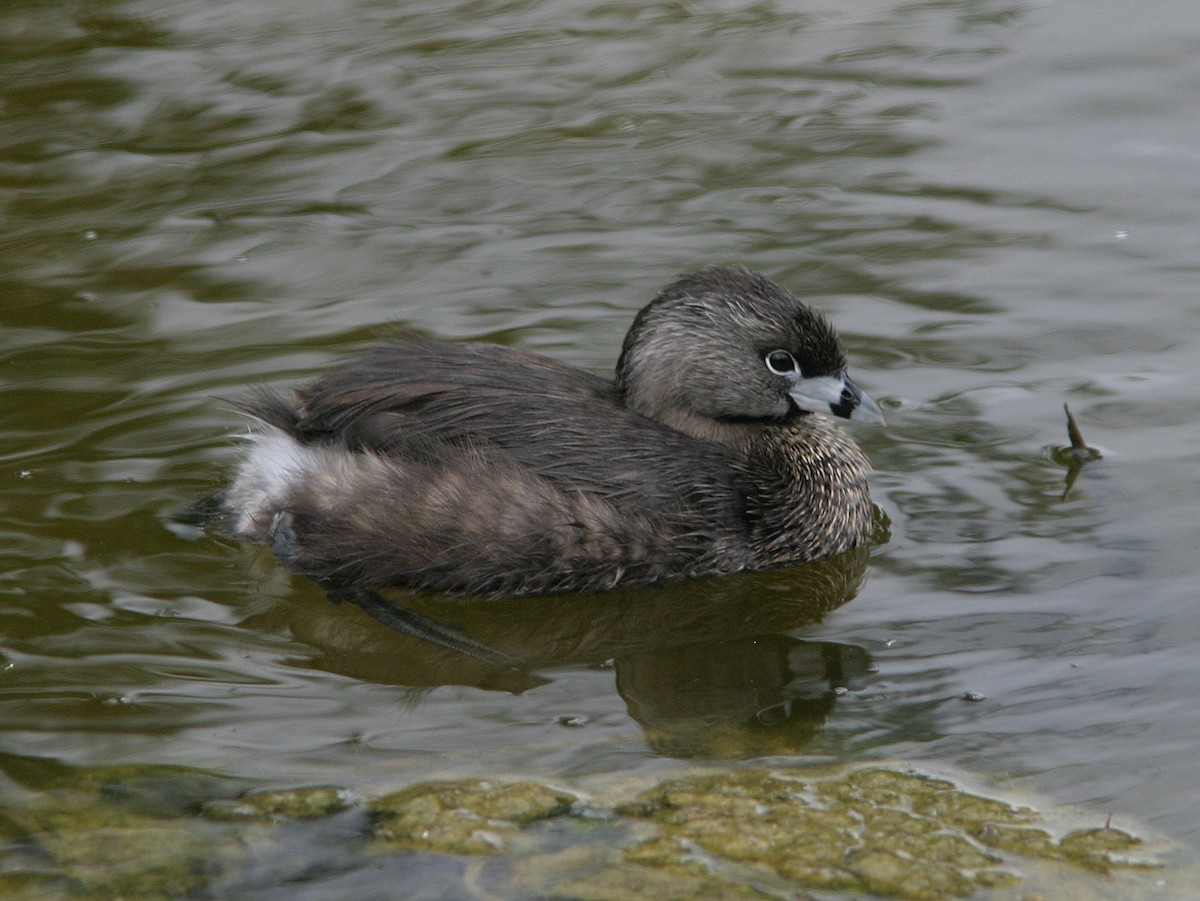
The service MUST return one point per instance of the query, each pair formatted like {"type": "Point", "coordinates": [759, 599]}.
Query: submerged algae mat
{"type": "Point", "coordinates": [875, 830]}
{"type": "Point", "coordinates": [160, 832]}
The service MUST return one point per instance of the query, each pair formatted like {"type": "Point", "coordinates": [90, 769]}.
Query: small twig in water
{"type": "Point", "coordinates": [1077, 443]}
{"type": "Point", "coordinates": [1077, 454]}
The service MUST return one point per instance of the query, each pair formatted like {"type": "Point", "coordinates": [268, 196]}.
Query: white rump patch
{"type": "Point", "coordinates": [272, 469]}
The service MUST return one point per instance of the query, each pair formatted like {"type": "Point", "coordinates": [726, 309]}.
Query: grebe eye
{"type": "Point", "coordinates": [781, 362]}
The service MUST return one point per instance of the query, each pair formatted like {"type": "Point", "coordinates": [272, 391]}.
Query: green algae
{"type": "Point", "coordinates": [638, 883]}
{"type": "Point", "coordinates": [1100, 849]}
{"type": "Point", "coordinates": [465, 817]}
{"type": "Point", "coordinates": [88, 847]}
{"type": "Point", "coordinates": [872, 830]}
{"type": "Point", "coordinates": [281, 804]}
{"type": "Point", "coordinates": [590, 873]}
{"type": "Point", "coordinates": [154, 862]}
{"type": "Point", "coordinates": [737, 835]}
{"type": "Point", "coordinates": [151, 789]}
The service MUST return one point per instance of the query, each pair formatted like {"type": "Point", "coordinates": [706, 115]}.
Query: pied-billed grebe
{"type": "Point", "coordinates": [479, 469]}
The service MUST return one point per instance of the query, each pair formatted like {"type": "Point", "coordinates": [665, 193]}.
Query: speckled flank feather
{"type": "Point", "coordinates": [473, 523]}
{"type": "Point", "coordinates": [473, 468]}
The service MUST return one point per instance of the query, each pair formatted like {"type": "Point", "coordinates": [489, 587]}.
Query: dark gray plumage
{"type": "Point", "coordinates": [474, 468]}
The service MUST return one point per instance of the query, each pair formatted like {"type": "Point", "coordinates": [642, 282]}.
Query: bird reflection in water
{"type": "Point", "coordinates": [707, 667]}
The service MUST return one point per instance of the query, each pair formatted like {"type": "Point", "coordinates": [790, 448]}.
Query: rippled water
{"type": "Point", "coordinates": [995, 201]}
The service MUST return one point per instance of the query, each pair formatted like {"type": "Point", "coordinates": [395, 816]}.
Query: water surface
{"type": "Point", "coordinates": [995, 201]}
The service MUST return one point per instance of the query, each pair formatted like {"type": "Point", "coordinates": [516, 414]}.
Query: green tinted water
{"type": "Point", "coordinates": [996, 203]}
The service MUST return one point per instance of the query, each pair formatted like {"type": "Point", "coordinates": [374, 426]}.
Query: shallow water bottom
{"type": "Point", "coordinates": [166, 832]}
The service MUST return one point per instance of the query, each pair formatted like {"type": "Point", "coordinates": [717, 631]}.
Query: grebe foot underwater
{"type": "Point", "coordinates": [487, 470]}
